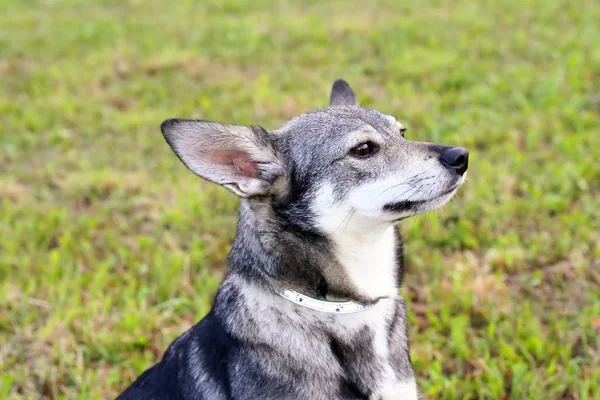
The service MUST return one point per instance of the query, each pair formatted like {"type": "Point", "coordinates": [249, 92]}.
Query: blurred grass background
{"type": "Point", "coordinates": [110, 248]}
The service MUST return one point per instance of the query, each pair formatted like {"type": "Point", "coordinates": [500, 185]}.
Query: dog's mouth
{"type": "Point", "coordinates": [412, 207]}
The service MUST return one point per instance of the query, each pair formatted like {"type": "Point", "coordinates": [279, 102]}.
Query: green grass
{"type": "Point", "coordinates": [110, 248]}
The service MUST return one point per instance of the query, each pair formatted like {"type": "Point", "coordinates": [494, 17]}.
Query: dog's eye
{"type": "Point", "coordinates": [364, 150]}
{"type": "Point", "coordinates": [402, 130]}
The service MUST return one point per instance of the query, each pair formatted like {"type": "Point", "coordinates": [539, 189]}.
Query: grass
{"type": "Point", "coordinates": [110, 248]}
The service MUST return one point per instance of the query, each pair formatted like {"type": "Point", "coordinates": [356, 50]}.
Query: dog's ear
{"type": "Point", "coordinates": [342, 94]}
{"type": "Point", "coordinates": [241, 158]}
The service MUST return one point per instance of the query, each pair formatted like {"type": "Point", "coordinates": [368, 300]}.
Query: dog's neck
{"type": "Point", "coordinates": [349, 264]}
{"type": "Point", "coordinates": [368, 256]}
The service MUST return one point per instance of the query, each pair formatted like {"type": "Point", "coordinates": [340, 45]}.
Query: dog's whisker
{"type": "Point", "coordinates": [411, 180]}
{"type": "Point", "coordinates": [351, 214]}
{"type": "Point", "coordinates": [406, 191]}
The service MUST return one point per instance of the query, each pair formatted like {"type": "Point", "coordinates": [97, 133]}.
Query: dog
{"type": "Point", "coordinates": [310, 307]}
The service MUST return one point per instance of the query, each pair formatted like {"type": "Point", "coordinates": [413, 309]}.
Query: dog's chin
{"type": "Point", "coordinates": [404, 209]}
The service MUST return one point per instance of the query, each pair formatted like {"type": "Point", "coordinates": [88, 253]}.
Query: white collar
{"type": "Point", "coordinates": [332, 307]}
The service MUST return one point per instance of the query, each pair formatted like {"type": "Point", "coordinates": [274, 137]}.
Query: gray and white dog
{"type": "Point", "coordinates": [310, 307]}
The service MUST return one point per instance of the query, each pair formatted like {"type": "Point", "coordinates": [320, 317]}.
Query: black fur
{"type": "Point", "coordinates": [172, 377]}
{"type": "Point", "coordinates": [352, 356]}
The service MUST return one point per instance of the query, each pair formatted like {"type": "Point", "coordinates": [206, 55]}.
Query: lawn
{"type": "Point", "coordinates": [110, 248]}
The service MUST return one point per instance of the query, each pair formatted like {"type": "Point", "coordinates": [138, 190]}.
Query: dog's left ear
{"type": "Point", "coordinates": [342, 94]}
{"type": "Point", "coordinates": [241, 158]}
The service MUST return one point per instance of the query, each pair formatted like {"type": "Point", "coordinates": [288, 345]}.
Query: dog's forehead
{"type": "Point", "coordinates": [341, 120]}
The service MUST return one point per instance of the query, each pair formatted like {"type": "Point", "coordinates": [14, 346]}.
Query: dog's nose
{"type": "Point", "coordinates": [456, 158]}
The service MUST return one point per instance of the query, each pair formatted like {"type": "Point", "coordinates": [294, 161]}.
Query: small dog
{"type": "Point", "coordinates": [310, 307]}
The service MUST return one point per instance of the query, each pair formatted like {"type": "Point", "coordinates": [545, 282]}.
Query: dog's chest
{"type": "Point", "coordinates": [352, 356]}
{"type": "Point", "coordinates": [363, 356]}
{"type": "Point", "coordinates": [362, 369]}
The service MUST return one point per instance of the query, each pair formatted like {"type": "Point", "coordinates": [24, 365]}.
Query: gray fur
{"type": "Point", "coordinates": [308, 203]}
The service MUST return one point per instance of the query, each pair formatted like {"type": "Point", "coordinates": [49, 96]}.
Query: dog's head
{"type": "Point", "coordinates": [328, 163]}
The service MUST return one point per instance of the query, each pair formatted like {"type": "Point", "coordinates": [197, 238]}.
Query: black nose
{"type": "Point", "coordinates": [456, 158]}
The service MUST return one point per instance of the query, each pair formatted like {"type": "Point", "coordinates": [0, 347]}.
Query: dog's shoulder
{"type": "Point", "coordinates": [193, 367]}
